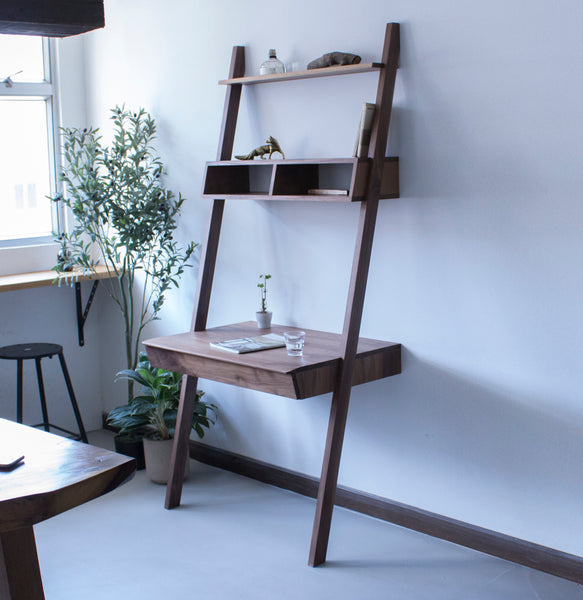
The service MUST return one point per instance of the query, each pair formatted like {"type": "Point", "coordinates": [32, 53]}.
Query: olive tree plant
{"type": "Point", "coordinates": [124, 218]}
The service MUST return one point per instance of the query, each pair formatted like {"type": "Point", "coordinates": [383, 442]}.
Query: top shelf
{"type": "Point", "coordinates": [308, 74]}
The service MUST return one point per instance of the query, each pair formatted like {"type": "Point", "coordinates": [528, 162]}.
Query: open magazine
{"type": "Point", "coordinates": [251, 344]}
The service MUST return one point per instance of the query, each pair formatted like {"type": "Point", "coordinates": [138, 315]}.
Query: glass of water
{"type": "Point", "coordinates": [294, 342]}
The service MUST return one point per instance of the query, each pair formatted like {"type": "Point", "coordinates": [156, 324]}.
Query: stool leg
{"type": "Point", "coordinates": [19, 391]}
{"type": "Point", "coordinates": [73, 399]}
{"type": "Point", "coordinates": [41, 392]}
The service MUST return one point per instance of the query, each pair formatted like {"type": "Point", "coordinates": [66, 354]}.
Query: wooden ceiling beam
{"type": "Point", "coordinates": [54, 18]}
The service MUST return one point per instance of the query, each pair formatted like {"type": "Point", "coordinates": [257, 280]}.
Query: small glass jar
{"type": "Point", "coordinates": [272, 65]}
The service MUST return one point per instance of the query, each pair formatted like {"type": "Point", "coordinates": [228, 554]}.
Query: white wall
{"type": "Point", "coordinates": [475, 270]}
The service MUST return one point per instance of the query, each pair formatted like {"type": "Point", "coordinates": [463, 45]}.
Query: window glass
{"type": "Point", "coordinates": [28, 157]}
{"type": "Point", "coordinates": [21, 58]}
{"type": "Point", "coordinates": [24, 169]}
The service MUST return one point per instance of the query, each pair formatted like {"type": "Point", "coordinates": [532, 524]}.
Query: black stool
{"type": "Point", "coordinates": [22, 352]}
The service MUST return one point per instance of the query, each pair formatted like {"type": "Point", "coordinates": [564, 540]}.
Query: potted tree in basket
{"type": "Point", "coordinates": [124, 218]}
{"type": "Point", "coordinates": [154, 413]}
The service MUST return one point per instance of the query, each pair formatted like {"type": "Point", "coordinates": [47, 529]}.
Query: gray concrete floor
{"type": "Point", "coordinates": [235, 538]}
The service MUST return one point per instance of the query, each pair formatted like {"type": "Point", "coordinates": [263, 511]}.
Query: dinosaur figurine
{"type": "Point", "coordinates": [271, 146]}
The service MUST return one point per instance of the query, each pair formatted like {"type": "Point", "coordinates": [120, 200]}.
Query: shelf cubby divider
{"type": "Point", "coordinates": [293, 179]}
{"type": "Point", "coordinates": [239, 179]}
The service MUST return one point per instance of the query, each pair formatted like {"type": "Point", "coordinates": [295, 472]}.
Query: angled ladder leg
{"type": "Point", "coordinates": [341, 395]}
{"type": "Point", "coordinates": [189, 383]}
{"type": "Point", "coordinates": [181, 438]}
{"type": "Point", "coordinates": [329, 477]}
{"type": "Point", "coordinates": [353, 315]}
{"type": "Point", "coordinates": [205, 281]}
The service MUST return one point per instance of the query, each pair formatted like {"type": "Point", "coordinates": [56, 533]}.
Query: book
{"type": "Point", "coordinates": [364, 130]}
{"type": "Point", "coordinates": [251, 344]}
{"type": "Point", "coordinates": [326, 192]}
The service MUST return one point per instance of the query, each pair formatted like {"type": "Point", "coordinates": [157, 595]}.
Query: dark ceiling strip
{"type": "Point", "coordinates": [54, 18]}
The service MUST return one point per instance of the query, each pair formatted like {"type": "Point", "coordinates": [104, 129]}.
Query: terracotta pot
{"type": "Point", "coordinates": [158, 454]}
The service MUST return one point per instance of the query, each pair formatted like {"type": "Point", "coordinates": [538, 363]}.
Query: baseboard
{"type": "Point", "coordinates": [522, 552]}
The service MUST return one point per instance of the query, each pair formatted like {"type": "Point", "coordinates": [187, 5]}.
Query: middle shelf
{"type": "Point", "coordinates": [298, 179]}
{"type": "Point", "coordinates": [272, 371]}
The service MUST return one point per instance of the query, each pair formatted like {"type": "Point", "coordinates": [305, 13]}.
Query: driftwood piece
{"type": "Point", "coordinates": [334, 58]}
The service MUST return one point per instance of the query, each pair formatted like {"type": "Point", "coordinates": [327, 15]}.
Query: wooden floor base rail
{"type": "Point", "coordinates": [522, 552]}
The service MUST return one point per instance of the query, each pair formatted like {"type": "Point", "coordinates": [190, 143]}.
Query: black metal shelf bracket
{"type": "Point", "coordinates": [82, 314]}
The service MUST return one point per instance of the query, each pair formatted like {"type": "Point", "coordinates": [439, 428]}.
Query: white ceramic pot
{"type": "Point", "coordinates": [263, 319]}
{"type": "Point", "coordinates": [158, 454]}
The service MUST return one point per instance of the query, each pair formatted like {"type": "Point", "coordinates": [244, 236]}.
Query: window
{"type": "Point", "coordinates": [28, 134]}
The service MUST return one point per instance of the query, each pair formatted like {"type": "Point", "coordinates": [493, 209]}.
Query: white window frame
{"type": "Point", "coordinates": [47, 90]}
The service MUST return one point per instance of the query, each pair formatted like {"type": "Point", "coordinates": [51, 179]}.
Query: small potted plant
{"type": "Point", "coordinates": [154, 413]}
{"type": "Point", "coordinates": [263, 316]}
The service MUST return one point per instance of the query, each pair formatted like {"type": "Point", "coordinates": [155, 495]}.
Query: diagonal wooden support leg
{"type": "Point", "coordinates": [181, 441]}
{"type": "Point", "coordinates": [354, 306]}
{"type": "Point", "coordinates": [205, 280]}
{"type": "Point", "coordinates": [341, 395]}
{"type": "Point", "coordinates": [329, 477]}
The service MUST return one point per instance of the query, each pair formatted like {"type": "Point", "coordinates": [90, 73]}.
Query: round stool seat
{"type": "Point", "coordinates": [36, 352]}
{"type": "Point", "coordinates": [24, 351]}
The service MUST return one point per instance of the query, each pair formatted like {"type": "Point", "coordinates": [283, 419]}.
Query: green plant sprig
{"type": "Point", "coordinates": [262, 285]}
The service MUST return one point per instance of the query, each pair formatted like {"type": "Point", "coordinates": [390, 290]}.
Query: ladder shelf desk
{"type": "Point", "coordinates": [331, 362]}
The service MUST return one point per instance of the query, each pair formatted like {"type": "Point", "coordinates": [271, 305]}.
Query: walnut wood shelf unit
{"type": "Point", "coordinates": [331, 362]}
{"type": "Point", "coordinates": [291, 179]}
{"type": "Point", "coordinates": [307, 74]}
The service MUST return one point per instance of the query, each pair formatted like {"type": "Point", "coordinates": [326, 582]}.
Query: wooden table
{"type": "Point", "coordinates": [57, 475]}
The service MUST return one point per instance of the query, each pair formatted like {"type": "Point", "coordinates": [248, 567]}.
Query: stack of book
{"type": "Point", "coordinates": [251, 344]}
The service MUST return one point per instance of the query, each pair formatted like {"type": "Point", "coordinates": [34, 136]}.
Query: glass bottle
{"type": "Point", "coordinates": [273, 65]}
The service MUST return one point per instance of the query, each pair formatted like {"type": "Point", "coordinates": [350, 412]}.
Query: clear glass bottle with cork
{"type": "Point", "coordinates": [272, 65]}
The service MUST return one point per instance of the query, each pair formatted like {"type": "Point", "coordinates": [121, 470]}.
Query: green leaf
{"type": "Point", "coordinates": [121, 207]}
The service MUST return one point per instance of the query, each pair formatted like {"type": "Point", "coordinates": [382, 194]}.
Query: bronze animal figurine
{"type": "Point", "coordinates": [271, 146]}
{"type": "Point", "coordinates": [334, 58]}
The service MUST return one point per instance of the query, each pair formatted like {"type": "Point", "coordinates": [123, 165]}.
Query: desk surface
{"type": "Point", "coordinates": [57, 475]}
{"type": "Point", "coordinates": [272, 371]}
{"type": "Point", "coordinates": [23, 281]}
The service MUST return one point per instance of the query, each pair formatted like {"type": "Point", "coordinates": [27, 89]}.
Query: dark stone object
{"type": "Point", "coordinates": [334, 58]}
